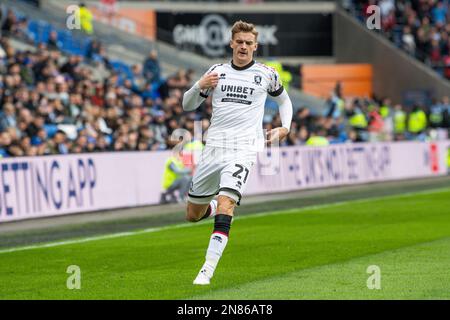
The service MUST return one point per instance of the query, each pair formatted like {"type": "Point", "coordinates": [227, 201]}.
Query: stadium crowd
{"type": "Point", "coordinates": [357, 119]}
{"type": "Point", "coordinates": [420, 27]}
{"type": "Point", "coordinates": [52, 103]}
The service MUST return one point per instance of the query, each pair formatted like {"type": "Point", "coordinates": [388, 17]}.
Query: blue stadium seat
{"type": "Point", "coordinates": [3, 153]}
{"type": "Point", "coordinates": [33, 26]}
{"type": "Point", "coordinates": [122, 68]}
{"type": "Point", "coordinates": [85, 43]}
{"type": "Point", "coordinates": [50, 129]}
{"type": "Point", "coordinates": [40, 30]}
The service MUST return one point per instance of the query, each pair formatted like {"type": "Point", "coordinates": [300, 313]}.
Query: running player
{"type": "Point", "coordinates": [239, 90]}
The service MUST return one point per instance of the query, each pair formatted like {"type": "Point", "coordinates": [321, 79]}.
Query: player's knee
{"type": "Point", "coordinates": [193, 213]}
{"type": "Point", "coordinates": [191, 218]}
{"type": "Point", "coordinates": [225, 205]}
{"type": "Point", "coordinates": [190, 215]}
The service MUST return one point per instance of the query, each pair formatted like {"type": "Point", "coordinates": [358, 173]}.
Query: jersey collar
{"type": "Point", "coordinates": [235, 67]}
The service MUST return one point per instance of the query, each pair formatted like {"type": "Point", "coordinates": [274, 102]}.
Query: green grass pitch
{"type": "Point", "coordinates": [312, 253]}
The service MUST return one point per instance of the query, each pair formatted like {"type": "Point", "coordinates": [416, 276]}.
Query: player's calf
{"type": "Point", "coordinates": [218, 240]}
{"type": "Point", "coordinates": [225, 205]}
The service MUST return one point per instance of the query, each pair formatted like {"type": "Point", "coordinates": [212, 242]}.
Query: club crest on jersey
{"type": "Point", "coordinates": [258, 80]}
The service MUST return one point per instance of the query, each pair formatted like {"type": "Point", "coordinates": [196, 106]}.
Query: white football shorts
{"type": "Point", "coordinates": [221, 171]}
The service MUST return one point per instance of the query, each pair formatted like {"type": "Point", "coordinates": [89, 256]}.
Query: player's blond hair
{"type": "Point", "coordinates": [242, 26]}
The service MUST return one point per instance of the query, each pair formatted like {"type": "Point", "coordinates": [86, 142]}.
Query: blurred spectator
{"type": "Point", "coordinates": [399, 122]}
{"type": "Point", "coordinates": [436, 115]}
{"type": "Point", "coordinates": [8, 117]}
{"type": "Point", "coordinates": [409, 43]}
{"type": "Point", "coordinates": [446, 112]}
{"type": "Point", "coordinates": [139, 81]}
{"type": "Point", "coordinates": [9, 25]}
{"type": "Point", "coordinates": [52, 42]}
{"type": "Point", "coordinates": [57, 104]}
{"type": "Point", "coordinates": [85, 16]}
{"type": "Point", "coordinates": [417, 123]}
{"type": "Point", "coordinates": [176, 178]}
{"type": "Point", "coordinates": [59, 143]}
{"type": "Point", "coordinates": [439, 13]}
{"type": "Point", "coordinates": [317, 139]}
{"type": "Point", "coordinates": [94, 50]}
{"type": "Point", "coordinates": [375, 124]}
{"type": "Point", "coordinates": [421, 28]}
{"type": "Point", "coordinates": [152, 70]}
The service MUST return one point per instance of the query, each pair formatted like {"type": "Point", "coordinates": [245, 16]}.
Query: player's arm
{"type": "Point", "coordinates": [277, 92]}
{"type": "Point", "coordinates": [285, 110]}
{"type": "Point", "coordinates": [194, 97]}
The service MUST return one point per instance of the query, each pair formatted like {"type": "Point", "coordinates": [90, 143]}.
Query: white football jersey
{"type": "Point", "coordinates": [238, 105]}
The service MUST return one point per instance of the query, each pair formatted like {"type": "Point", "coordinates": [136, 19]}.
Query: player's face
{"type": "Point", "coordinates": [243, 45]}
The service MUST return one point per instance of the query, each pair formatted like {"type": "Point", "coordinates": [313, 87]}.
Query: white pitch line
{"type": "Point", "coordinates": [186, 225]}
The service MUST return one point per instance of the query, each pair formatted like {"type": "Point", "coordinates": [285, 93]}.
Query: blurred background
{"type": "Point", "coordinates": [97, 76]}
{"type": "Point", "coordinates": [91, 99]}
{"type": "Point", "coordinates": [116, 83]}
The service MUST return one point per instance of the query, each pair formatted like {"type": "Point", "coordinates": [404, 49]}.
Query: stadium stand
{"type": "Point", "coordinates": [65, 95]}
{"type": "Point", "coordinates": [419, 27]}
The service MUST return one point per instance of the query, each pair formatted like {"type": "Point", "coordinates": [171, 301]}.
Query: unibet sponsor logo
{"type": "Point", "coordinates": [237, 89]}
{"type": "Point", "coordinates": [237, 94]}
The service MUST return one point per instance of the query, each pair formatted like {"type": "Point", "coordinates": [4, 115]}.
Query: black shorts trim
{"type": "Point", "coordinates": [277, 93]}
{"type": "Point", "coordinates": [234, 191]}
{"type": "Point", "coordinates": [207, 196]}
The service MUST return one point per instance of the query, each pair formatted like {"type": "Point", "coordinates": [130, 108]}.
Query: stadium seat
{"type": "Point", "coordinates": [123, 69]}
{"type": "Point", "coordinates": [41, 29]}
{"type": "Point", "coordinates": [51, 129]}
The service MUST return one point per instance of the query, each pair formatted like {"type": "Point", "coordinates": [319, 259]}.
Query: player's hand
{"type": "Point", "coordinates": [209, 81]}
{"type": "Point", "coordinates": [276, 135]}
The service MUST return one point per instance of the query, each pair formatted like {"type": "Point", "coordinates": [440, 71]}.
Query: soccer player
{"type": "Point", "coordinates": [239, 90]}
